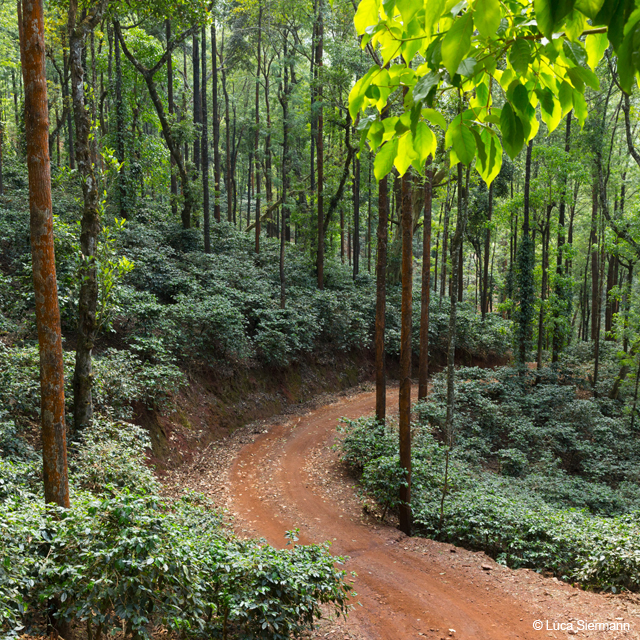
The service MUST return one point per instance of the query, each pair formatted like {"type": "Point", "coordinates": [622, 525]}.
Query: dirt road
{"type": "Point", "coordinates": [408, 588]}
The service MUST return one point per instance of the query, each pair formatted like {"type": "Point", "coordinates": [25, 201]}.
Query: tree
{"type": "Point", "coordinates": [52, 422]}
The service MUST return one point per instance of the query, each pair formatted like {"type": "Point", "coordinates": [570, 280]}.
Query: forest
{"type": "Point", "coordinates": [317, 317]}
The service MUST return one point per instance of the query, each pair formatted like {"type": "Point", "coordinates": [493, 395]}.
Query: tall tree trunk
{"type": "Point", "coordinates": [257, 132]}
{"type": "Point", "coordinates": [561, 288]}
{"type": "Point", "coordinates": [525, 273]}
{"type": "Point", "coordinates": [381, 294]}
{"type": "Point", "coordinates": [36, 120]}
{"type": "Point", "coordinates": [229, 179]}
{"type": "Point", "coordinates": [546, 232]}
{"type": "Point", "coordinates": [356, 217]}
{"type": "Point", "coordinates": [405, 354]}
{"type": "Point", "coordinates": [216, 125]}
{"type": "Point", "coordinates": [122, 187]}
{"type": "Point", "coordinates": [461, 223]}
{"type": "Point", "coordinates": [426, 287]}
{"type": "Point", "coordinates": [65, 96]}
{"type": "Point", "coordinates": [487, 245]}
{"type": "Point", "coordinates": [204, 119]}
{"type": "Point", "coordinates": [284, 101]}
{"type": "Point", "coordinates": [197, 102]}
{"type": "Point", "coordinates": [369, 218]}
{"type": "Point", "coordinates": [320, 148]}
{"type": "Point", "coordinates": [172, 109]}
{"type": "Point", "coordinates": [89, 226]}
{"type": "Point", "coordinates": [593, 244]}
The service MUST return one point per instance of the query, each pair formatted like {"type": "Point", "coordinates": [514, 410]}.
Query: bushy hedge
{"type": "Point", "coordinates": [134, 561]}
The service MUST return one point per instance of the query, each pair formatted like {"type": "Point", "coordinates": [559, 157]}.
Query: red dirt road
{"type": "Point", "coordinates": [405, 593]}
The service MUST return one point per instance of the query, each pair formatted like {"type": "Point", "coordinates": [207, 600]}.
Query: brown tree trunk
{"type": "Point", "coordinates": [216, 125]}
{"type": "Point", "coordinates": [356, 217]}
{"type": "Point", "coordinates": [172, 110]}
{"type": "Point", "coordinates": [257, 132]}
{"type": "Point", "coordinates": [320, 150]}
{"type": "Point", "coordinates": [36, 120]}
{"type": "Point", "coordinates": [381, 297]}
{"type": "Point", "coordinates": [204, 119]}
{"type": "Point", "coordinates": [229, 178]}
{"type": "Point", "coordinates": [197, 102]}
{"type": "Point", "coordinates": [405, 355]}
{"type": "Point", "coordinates": [487, 245]}
{"type": "Point", "coordinates": [423, 374]}
{"type": "Point", "coordinates": [122, 189]}
{"type": "Point", "coordinates": [90, 224]}
{"type": "Point", "coordinates": [593, 242]}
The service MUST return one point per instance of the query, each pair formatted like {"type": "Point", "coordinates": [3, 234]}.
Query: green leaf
{"type": "Point", "coordinates": [489, 155]}
{"type": "Point", "coordinates": [627, 69]}
{"type": "Point", "coordinates": [424, 142]}
{"type": "Point", "coordinates": [580, 107]}
{"type": "Point", "coordinates": [462, 140]}
{"type": "Point", "coordinates": [575, 24]}
{"type": "Point", "coordinates": [596, 44]}
{"type": "Point", "coordinates": [520, 98]}
{"type": "Point", "coordinates": [366, 15]}
{"type": "Point", "coordinates": [435, 117]}
{"type": "Point", "coordinates": [432, 13]}
{"type": "Point", "coordinates": [614, 14]}
{"type": "Point", "coordinates": [385, 158]}
{"type": "Point", "coordinates": [590, 8]}
{"type": "Point", "coordinates": [550, 108]}
{"type": "Point", "coordinates": [467, 67]}
{"type": "Point", "coordinates": [425, 84]}
{"type": "Point", "coordinates": [550, 14]}
{"type": "Point", "coordinates": [358, 92]}
{"type": "Point", "coordinates": [586, 75]}
{"type": "Point", "coordinates": [520, 55]}
{"type": "Point", "coordinates": [406, 153]}
{"type": "Point", "coordinates": [574, 52]}
{"type": "Point", "coordinates": [512, 131]}
{"type": "Point", "coordinates": [456, 43]}
{"type": "Point", "coordinates": [565, 94]}
{"type": "Point", "coordinates": [408, 9]}
{"type": "Point", "coordinates": [487, 16]}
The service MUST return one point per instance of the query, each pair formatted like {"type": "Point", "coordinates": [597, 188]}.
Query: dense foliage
{"type": "Point", "coordinates": [542, 474]}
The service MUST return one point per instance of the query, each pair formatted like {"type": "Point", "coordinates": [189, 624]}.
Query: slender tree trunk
{"type": "Point", "coordinates": [426, 287]}
{"type": "Point", "coordinates": [561, 289]}
{"type": "Point", "coordinates": [89, 228]}
{"type": "Point", "coordinates": [543, 289]}
{"type": "Point", "coordinates": [525, 273]}
{"type": "Point", "coordinates": [216, 126]}
{"type": "Point", "coordinates": [65, 96]}
{"type": "Point", "coordinates": [284, 100]}
{"type": "Point", "coordinates": [593, 241]}
{"type": "Point", "coordinates": [36, 115]}
{"type": "Point", "coordinates": [456, 242]}
{"type": "Point", "coordinates": [172, 109]}
{"type": "Point", "coordinates": [229, 179]}
{"type": "Point", "coordinates": [381, 295]}
{"type": "Point", "coordinates": [369, 219]}
{"type": "Point", "coordinates": [257, 132]}
{"type": "Point", "coordinates": [320, 148]}
{"type": "Point", "coordinates": [197, 102]}
{"type": "Point", "coordinates": [487, 246]}
{"type": "Point", "coordinates": [204, 120]}
{"type": "Point", "coordinates": [122, 188]}
{"type": "Point", "coordinates": [356, 217]}
{"type": "Point", "coordinates": [405, 354]}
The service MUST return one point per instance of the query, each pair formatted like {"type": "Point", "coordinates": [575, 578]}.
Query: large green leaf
{"type": "Point", "coordinates": [456, 43]}
{"type": "Point", "coordinates": [628, 57]}
{"type": "Point", "coordinates": [408, 9]}
{"type": "Point", "coordinates": [596, 45]}
{"type": "Point", "coordinates": [424, 85]}
{"type": "Point", "coordinates": [520, 55]}
{"type": "Point", "coordinates": [406, 153]}
{"type": "Point", "coordinates": [487, 16]}
{"type": "Point", "coordinates": [462, 140]}
{"type": "Point", "coordinates": [512, 131]}
{"type": "Point", "coordinates": [489, 155]}
{"type": "Point", "coordinates": [385, 158]}
{"type": "Point", "coordinates": [424, 142]}
{"type": "Point", "coordinates": [432, 13]}
{"type": "Point", "coordinates": [590, 8]}
{"type": "Point", "coordinates": [366, 15]}
{"type": "Point", "coordinates": [550, 13]}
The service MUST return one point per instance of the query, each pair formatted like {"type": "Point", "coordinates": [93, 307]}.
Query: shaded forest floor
{"type": "Point", "coordinates": [285, 472]}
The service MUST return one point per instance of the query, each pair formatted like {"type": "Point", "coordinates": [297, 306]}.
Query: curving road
{"type": "Point", "coordinates": [405, 593]}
